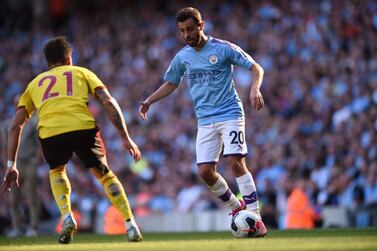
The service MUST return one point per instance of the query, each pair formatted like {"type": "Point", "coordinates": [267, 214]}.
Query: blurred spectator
{"type": "Point", "coordinates": [269, 201]}
{"type": "Point", "coordinates": [24, 200]}
{"type": "Point", "coordinates": [189, 195]}
{"type": "Point", "coordinates": [113, 222]}
{"type": "Point", "coordinates": [300, 212]}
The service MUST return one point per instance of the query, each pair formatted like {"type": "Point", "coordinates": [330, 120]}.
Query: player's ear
{"type": "Point", "coordinates": [69, 60]}
{"type": "Point", "coordinates": [201, 25]}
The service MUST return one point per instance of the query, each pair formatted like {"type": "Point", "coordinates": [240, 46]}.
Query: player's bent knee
{"type": "Point", "coordinates": [238, 165]}
{"type": "Point", "coordinates": [207, 172]}
{"type": "Point", "coordinates": [99, 173]}
{"type": "Point", "coordinates": [237, 160]}
{"type": "Point", "coordinates": [59, 168]}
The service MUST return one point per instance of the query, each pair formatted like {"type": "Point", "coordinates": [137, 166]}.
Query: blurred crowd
{"type": "Point", "coordinates": [318, 128]}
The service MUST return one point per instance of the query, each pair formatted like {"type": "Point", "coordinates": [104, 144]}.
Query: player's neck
{"type": "Point", "coordinates": [68, 61]}
{"type": "Point", "coordinates": [55, 65]}
{"type": "Point", "coordinates": [202, 42]}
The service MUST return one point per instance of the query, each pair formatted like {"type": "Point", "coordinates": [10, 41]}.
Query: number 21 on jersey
{"type": "Point", "coordinates": [50, 81]}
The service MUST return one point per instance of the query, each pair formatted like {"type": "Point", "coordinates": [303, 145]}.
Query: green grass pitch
{"type": "Point", "coordinates": [319, 239]}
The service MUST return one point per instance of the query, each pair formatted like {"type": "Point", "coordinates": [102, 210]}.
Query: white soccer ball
{"type": "Point", "coordinates": [244, 224]}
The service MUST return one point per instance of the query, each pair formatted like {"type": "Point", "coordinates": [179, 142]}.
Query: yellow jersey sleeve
{"type": "Point", "coordinates": [26, 102]}
{"type": "Point", "coordinates": [93, 81]}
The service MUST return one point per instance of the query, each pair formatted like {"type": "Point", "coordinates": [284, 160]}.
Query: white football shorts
{"type": "Point", "coordinates": [211, 139]}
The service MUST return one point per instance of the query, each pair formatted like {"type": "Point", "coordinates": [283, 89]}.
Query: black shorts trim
{"type": "Point", "coordinates": [86, 144]}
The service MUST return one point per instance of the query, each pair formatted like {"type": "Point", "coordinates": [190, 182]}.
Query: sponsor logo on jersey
{"type": "Point", "coordinates": [204, 74]}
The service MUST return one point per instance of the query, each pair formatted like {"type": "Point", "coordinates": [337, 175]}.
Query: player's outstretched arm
{"type": "Point", "coordinates": [115, 113]}
{"type": "Point", "coordinates": [165, 90]}
{"type": "Point", "coordinates": [256, 98]}
{"type": "Point", "coordinates": [11, 174]}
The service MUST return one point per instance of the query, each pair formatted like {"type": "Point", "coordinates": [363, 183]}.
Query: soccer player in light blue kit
{"type": "Point", "coordinates": [208, 63]}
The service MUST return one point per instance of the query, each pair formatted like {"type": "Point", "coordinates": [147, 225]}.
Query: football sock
{"type": "Point", "coordinates": [247, 188]}
{"type": "Point", "coordinates": [223, 192]}
{"type": "Point", "coordinates": [116, 194]}
{"type": "Point", "coordinates": [130, 223]}
{"type": "Point", "coordinates": [61, 189]}
{"type": "Point", "coordinates": [67, 215]}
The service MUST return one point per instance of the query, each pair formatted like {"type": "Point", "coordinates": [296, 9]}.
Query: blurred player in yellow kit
{"type": "Point", "coordinates": [60, 95]}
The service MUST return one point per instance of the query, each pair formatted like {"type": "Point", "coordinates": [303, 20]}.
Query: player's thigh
{"type": "Point", "coordinates": [57, 150]}
{"type": "Point", "coordinates": [233, 134]}
{"type": "Point", "coordinates": [91, 151]}
{"type": "Point", "coordinates": [208, 144]}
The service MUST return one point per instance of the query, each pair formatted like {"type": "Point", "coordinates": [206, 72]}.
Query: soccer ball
{"type": "Point", "coordinates": [244, 224]}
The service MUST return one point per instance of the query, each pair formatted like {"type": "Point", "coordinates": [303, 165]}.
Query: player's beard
{"type": "Point", "coordinates": [192, 41]}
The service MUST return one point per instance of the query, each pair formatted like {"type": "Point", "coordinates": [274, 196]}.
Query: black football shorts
{"type": "Point", "coordinates": [86, 144]}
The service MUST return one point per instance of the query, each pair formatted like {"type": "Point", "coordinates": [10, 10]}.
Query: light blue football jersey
{"type": "Point", "coordinates": [210, 78]}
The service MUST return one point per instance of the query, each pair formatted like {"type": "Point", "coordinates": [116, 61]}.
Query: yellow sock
{"type": "Point", "coordinates": [116, 194]}
{"type": "Point", "coordinates": [61, 189]}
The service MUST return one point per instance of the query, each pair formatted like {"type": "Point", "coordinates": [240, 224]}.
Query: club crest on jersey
{"type": "Point", "coordinates": [213, 59]}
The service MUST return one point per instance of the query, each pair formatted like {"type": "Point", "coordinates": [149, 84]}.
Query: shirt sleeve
{"type": "Point", "coordinates": [26, 102]}
{"type": "Point", "coordinates": [175, 71]}
{"type": "Point", "coordinates": [239, 57]}
{"type": "Point", "coordinates": [93, 81]}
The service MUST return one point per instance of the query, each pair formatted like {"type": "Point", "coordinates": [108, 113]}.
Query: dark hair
{"type": "Point", "coordinates": [57, 50]}
{"type": "Point", "coordinates": [189, 12]}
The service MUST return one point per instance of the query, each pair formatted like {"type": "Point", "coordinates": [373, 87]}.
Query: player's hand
{"type": "Point", "coordinates": [256, 99]}
{"type": "Point", "coordinates": [133, 149]}
{"type": "Point", "coordinates": [11, 176]}
{"type": "Point", "coordinates": [143, 109]}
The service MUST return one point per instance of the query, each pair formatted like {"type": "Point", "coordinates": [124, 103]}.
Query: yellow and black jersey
{"type": "Point", "coordinates": [60, 96]}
